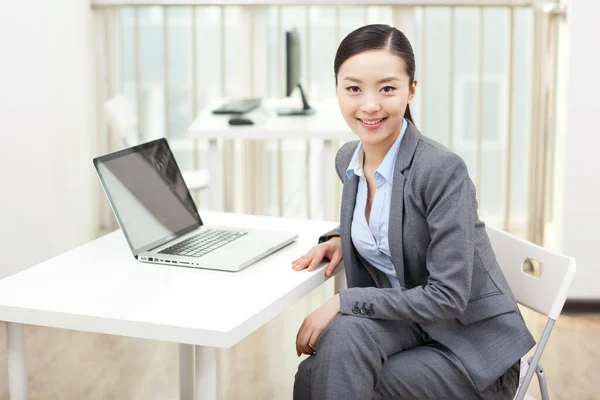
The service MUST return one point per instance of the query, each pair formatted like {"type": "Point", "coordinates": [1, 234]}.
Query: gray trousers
{"type": "Point", "coordinates": [362, 358]}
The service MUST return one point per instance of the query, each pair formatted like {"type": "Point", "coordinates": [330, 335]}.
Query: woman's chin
{"type": "Point", "coordinates": [372, 138]}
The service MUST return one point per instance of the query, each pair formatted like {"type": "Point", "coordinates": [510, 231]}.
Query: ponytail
{"type": "Point", "coordinates": [407, 115]}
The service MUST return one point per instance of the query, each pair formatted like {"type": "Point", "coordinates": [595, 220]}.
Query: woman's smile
{"type": "Point", "coordinates": [371, 123]}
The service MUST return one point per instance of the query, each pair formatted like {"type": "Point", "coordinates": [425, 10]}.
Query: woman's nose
{"type": "Point", "coordinates": [370, 105]}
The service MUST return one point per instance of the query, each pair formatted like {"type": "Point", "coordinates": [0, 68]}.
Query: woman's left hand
{"type": "Point", "coordinates": [315, 324]}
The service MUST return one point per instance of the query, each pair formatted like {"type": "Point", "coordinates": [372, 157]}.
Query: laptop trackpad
{"type": "Point", "coordinates": [239, 252]}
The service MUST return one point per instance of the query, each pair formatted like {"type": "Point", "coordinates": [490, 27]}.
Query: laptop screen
{"type": "Point", "coordinates": [148, 195]}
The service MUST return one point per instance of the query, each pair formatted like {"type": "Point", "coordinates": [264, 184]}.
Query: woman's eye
{"type": "Point", "coordinates": [353, 89]}
{"type": "Point", "coordinates": [388, 89]}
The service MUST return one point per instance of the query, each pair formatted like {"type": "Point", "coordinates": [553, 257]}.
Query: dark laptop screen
{"type": "Point", "coordinates": [147, 194]}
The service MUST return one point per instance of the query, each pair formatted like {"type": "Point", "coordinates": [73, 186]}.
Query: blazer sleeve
{"type": "Point", "coordinates": [332, 233]}
{"type": "Point", "coordinates": [448, 197]}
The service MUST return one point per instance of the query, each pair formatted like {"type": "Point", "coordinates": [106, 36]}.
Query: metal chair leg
{"type": "Point", "coordinates": [539, 371]}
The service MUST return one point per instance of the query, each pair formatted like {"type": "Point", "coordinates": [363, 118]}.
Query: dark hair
{"type": "Point", "coordinates": [377, 37]}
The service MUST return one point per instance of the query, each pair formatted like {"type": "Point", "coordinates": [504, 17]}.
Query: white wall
{"type": "Point", "coordinates": [581, 197]}
{"type": "Point", "coordinates": [47, 124]}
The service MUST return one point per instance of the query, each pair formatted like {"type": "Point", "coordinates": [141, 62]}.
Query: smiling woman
{"type": "Point", "coordinates": [428, 313]}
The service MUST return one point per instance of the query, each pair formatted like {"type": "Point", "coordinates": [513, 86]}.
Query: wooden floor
{"type": "Point", "coordinates": [76, 365]}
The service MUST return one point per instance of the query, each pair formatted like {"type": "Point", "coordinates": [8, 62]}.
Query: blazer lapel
{"type": "Point", "coordinates": [395, 234]}
{"type": "Point", "coordinates": [346, 214]}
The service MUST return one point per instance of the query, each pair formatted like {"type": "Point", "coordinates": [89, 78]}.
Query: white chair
{"type": "Point", "coordinates": [122, 124]}
{"type": "Point", "coordinates": [545, 294]}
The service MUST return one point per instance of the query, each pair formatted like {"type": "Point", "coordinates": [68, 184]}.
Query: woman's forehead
{"type": "Point", "coordinates": [377, 64]}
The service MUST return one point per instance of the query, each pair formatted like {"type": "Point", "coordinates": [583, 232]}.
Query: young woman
{"type": "Point", "coordinates": [427, 313]}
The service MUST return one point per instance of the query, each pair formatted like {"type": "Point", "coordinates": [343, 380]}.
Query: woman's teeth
{"type": "Point", "coordinates": [372, 122]}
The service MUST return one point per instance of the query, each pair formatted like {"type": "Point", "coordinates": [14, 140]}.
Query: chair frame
{"type": "Point", "coordinates": [545, 294]}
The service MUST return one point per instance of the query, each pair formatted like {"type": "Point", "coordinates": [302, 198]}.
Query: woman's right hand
{"type": "Point", "coordinates": [331, 250]}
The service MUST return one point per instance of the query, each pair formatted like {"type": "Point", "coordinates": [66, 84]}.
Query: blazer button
{"type": "Point", "coordinates": [370, 311]}
{"type": "Point", "coordinates": [363, 310]}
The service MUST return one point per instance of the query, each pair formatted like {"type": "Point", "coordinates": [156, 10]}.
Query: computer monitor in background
{"type": "Point", "coordinates": [293, 66]}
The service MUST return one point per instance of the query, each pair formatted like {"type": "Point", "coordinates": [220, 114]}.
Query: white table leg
{"type": "Point", "coordinates": [15, 354]}
{"type": "Point", "coordinates": [327, 191]}
{"type": "Point", "coordinates": [328, 289]}
{"type": "Point", "coordinates": [216, 176]}
{"type": "Point", "coordinates": [206, 373]}
{"type": "Point", "coordinates": [261, 194]}
{"type": "Point", "coordinates": [340, 281]}
{"type": "Point", "coordinates": [280, 178]}
{"type": "Point", "coordinates": [186, 371]}
{"type": "Point", "coordinates": [327, 183]}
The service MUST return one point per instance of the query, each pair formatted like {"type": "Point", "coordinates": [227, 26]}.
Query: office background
{"type": "Point", "coordinates": [62, 59]}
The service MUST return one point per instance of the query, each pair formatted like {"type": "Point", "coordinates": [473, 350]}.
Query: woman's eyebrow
{"type": "Point", "coordinates": [384, 80]}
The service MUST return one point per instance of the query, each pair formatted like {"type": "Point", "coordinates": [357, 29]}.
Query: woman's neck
{"type": "Point", "coordinates": [375, 153]}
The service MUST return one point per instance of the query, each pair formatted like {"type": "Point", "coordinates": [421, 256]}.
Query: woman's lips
{"type": "Point", "coordinates": [371, 123]}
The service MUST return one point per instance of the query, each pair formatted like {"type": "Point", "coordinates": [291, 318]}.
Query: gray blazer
{"type": "Point", "coordinates": [452, 285]}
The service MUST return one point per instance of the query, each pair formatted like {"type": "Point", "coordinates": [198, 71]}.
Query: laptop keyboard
{"type": "Point", "coordinates": [202, 243]}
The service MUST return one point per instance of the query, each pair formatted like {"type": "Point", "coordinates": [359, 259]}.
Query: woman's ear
{"type": "Point", "coordinates": [412, 90]}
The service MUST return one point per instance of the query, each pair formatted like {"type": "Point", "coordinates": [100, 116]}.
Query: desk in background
{"type": "Point", "coordinates": [99, 287]}
{"type": "Point", "coordinates": [326, 124]}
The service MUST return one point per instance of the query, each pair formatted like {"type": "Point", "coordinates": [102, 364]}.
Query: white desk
{"type": "Point", "coordinates": [326, 124]}
{"type": "Point", "coordinates": [99, 287]}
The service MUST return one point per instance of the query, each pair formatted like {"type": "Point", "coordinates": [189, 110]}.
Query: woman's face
{"type": "Point", "coordinates": [373, 91]}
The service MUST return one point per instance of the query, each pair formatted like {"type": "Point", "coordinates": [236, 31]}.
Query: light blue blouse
{"type": "Point", "coordinates": [371, 240]}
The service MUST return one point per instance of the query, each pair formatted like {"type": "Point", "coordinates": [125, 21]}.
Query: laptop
{"type": "Point", "coordinates": [155, 211]}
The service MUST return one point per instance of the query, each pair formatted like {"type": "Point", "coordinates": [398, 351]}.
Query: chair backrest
{"type": "Point", "coordinates": [121, 120]}
{"type": "Point", "coordinates": [545, 293]}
